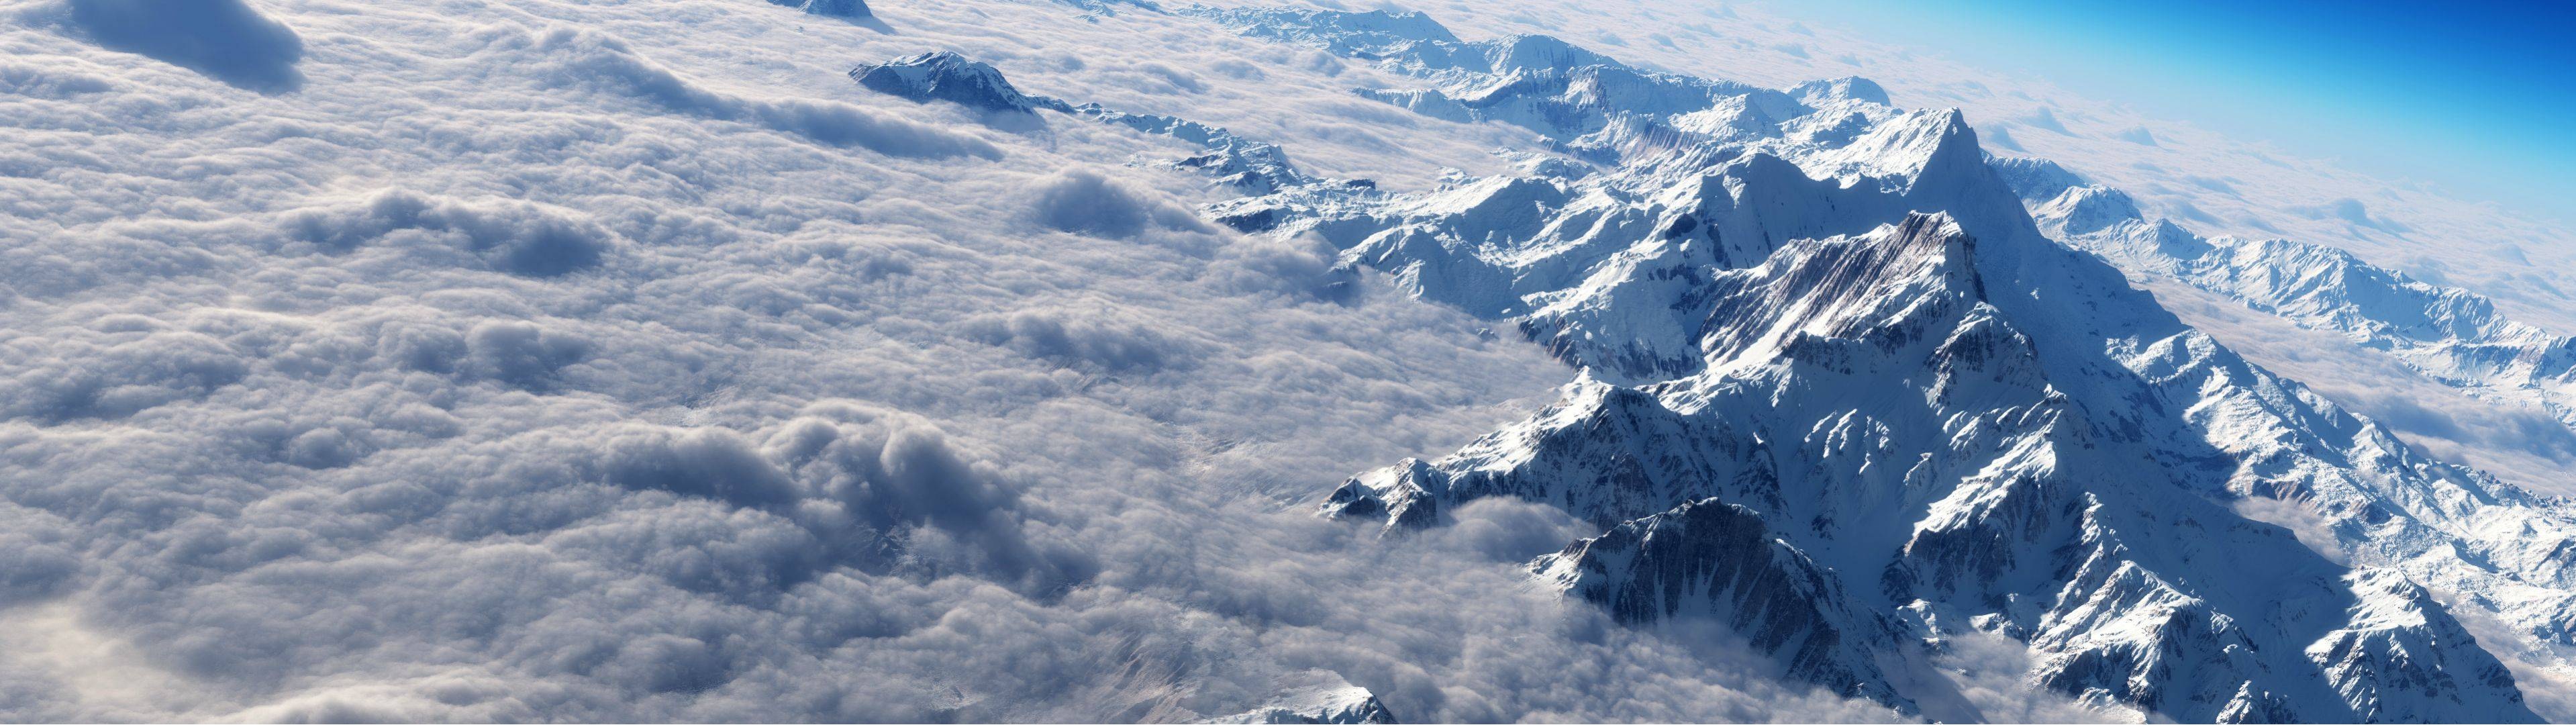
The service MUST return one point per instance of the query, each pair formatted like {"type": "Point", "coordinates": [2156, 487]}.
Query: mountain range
{"type": "Point", "coordinates": [1854, 389]}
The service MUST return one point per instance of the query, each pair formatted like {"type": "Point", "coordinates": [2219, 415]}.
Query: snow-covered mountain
{"type": "Point", "coordinates": [1332, 702]}
{"type": "Point", "coordinates": [947, 76]}
{"type": "Point", "coordinates": [2450, 335]}
{"type": "Point", "coordinates": [1846, 397]}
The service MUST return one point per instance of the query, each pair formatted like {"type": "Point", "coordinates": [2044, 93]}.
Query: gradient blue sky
{"type": "Point", "coordinates": [2473, 98]}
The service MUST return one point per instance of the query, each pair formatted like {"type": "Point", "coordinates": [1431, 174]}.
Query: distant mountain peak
{"type": "Point", "coordinates": [2088, 209]}
{"type": "Point", "coordinates": [829, 8]}
{"type": "Point", "coordinates": [1846, 88]}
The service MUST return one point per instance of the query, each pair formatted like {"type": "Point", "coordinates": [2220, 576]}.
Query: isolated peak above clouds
{"type": "Point", "coordinates": [947, 76]}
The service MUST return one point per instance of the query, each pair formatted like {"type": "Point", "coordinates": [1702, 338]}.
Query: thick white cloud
{"type": "Point", "coordinates": [1083, 201]}
{"type": "Point", "coordinates": [574, 57]}
{"type": "Point", "coordinates": [512, 237]}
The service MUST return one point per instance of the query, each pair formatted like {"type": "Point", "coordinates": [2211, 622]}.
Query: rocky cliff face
{"type": "Point", "coordinates": [1713, 560]}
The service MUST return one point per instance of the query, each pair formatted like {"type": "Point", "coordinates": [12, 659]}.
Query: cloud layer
{"type": "Point", "coordinates": [611, 361]}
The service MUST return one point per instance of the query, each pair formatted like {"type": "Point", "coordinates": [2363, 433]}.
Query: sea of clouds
{"type": "Point", "coordinates": [553, 360]}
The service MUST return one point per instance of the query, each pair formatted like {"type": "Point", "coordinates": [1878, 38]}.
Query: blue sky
{"type": "Point", "coordinates": [2474, 98]}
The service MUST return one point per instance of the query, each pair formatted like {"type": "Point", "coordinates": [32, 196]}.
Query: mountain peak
{"type": "Point", "coordinates": [828, 8]}
{"type": "Point", "coordinates": [1846, 88]}
{"type": "Point", "coordinates": [1535, 52]}
{"type": "Point", "coordinates": [948, 76]}
{"type": "Point", "coordinates": [2034, 180]}
{"type": "Point", "coordinates": [1332, 701]}
{"type": "Point", "coordinates": [1902, 151]}
{"type": "Point", "coordinates": [2086, 209]}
